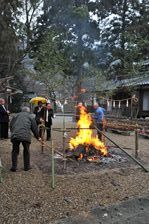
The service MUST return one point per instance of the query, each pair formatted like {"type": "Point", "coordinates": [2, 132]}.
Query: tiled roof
{"type": "Point", "coordinates": [138, 81]}
{"type": "Point", "coordinates": [114, 84]}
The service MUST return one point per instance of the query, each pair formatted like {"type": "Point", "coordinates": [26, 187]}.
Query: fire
{"type": "Point", "coordinates": [80, 157]}
{"type": "Point", "coordinates": [85, 135]}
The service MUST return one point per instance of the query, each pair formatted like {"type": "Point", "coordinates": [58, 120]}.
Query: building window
{"type": "Point", "coordinates": [146, 100]}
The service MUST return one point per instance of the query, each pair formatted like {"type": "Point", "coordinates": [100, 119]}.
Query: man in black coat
{"type": "Point", "coordinates": [37, 111]}
{"type": "Point", "coordinates": [47, 115]}
{"type": "Point", "coordinates": [21, 126]}
{"type": "Point", "coordinates": [4, 120]}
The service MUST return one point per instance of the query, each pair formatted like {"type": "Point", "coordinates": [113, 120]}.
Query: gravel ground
{"type": "Point", "coordinates": [27, 197]}
{"type": "Point", "coordinates": [132, 211]}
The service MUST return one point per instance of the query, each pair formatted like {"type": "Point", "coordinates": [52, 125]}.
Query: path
{"type": "Point", "coordinates": [133, 211]}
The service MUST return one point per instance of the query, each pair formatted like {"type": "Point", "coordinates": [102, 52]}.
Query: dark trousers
{"type": "Point", "coordinates": [15, 153]}
{"type": "Point", "coordinates": [100, 127]}
{"type": "Point", "coordinates": [48, 126]}
{"type": "Point", "coordinates": [41, 131]}
{"type": "Point", "coordinates": [3, 130]}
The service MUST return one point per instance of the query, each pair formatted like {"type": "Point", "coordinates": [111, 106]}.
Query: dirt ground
{"type": "Point", "coordinates": [131, 211]}
{"type": "Point", "coordinates": [27, 197]}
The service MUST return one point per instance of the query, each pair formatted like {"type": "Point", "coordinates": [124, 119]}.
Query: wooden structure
{"type": "Point", "coordinates": [7, 91]}
{"type": "Point", "coordinates": [122, 93]}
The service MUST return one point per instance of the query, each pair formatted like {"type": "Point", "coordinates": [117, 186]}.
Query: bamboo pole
{"type": "Point", "coordinates": [104, 130]}
{"type": "Point", "coordinates": [134, 159]}
{"type": "Point", "coordinates": [136, 142]}
{"type": "Point", "coordinates": [1, 179]}
{"type": "Point", "coordinates": [66, 129]}
{"type": "Point", "coordinates": [42, 129]}
{"type": "Point", "coordinates": [64, 137]}
{"type": "Point", "coordinates": [53, 165]}
{"type": "Point", "coordinates": [42, 138]}
{"type": "Point", "coordinates": [112, 146]}
{"type": "Point", "coordinates": [131, 108]}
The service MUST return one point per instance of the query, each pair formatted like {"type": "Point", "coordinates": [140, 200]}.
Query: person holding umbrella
{"type": "Point", "coordinates": [37, 111]}
{"type": "Point", "coordinates": [39, 101]}
{"type": "Point", "coordinates": [46, 116]}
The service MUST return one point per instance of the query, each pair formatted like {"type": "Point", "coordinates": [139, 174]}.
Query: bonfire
{"type": "Point", "coordinates": [85, 140]}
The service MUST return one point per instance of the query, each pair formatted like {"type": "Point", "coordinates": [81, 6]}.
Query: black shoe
{"type": "Point", "coordinates": [48, 139]}
{"type": "Point", "coordinates": [13, 170]}
{"type": "Point", "coordinates": [27, 169]}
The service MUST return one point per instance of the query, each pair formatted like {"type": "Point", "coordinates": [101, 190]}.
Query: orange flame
{"type": "Point", "coordinates": [85, 134]}
{"type": "Point", "coordinates": [80, 157]}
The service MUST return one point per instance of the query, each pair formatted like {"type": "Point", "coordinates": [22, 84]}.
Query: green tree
{"type": "Point", "coordinates": [51, 63]}
{"type": "Point", "coordinates": [30, 12]}
{"type": "Point", "coordinates": [8, 38]}
{"type": "Point", "coordinates": [124, 28]}
{"type": "Point", "coordinates": [76, 32]}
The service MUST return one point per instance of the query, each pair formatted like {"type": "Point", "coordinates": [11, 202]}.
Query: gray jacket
{"type": "Point", "coordinates": [21, 126]}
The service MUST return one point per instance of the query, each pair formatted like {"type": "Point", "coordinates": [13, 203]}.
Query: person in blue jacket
{"type": "Point", "coordinates": [99, 118]}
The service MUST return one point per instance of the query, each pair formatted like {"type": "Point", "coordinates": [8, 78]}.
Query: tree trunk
{"type": "Point", "coordinates": [123, 24]}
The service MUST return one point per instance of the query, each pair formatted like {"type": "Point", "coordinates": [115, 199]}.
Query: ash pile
{"type": "Point", "coordinates": [89, 154]}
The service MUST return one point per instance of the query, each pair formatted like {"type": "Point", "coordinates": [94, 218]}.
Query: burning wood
{"type": "Point", "coordinates": [94, 159]}
{"type": "Point", "coordinates": [85, 143]}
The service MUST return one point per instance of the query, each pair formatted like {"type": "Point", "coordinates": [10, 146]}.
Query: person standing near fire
{"type": "Point", "coordinates": [99, 118]}
{"type": "Point", "coordinates": [4, 120]}
{"type": "Point", "coordinates": [46, 116]}
{"type": "Point", "coordinates": [78, 110]}
{"type": "Point", "coordinates": [21, 126]}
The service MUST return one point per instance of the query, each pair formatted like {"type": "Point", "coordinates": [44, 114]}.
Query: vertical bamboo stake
{"type": "Point", "coordinates": [131, 107]}
{"type": "Point", "coordinates": [53, 165]}
{"type": "Point", "coordinates": [64, 130]}
{"type": "Point", "coordinates": [64, 153]}
{"type": "Point", "coordinates": [104, 130]}
{"type": "Point", "coordinates": [1, 179]}
{"type": "Point", "coordinates": [136, 142]}
{"type": "Point", "coordinates": [42, 138]}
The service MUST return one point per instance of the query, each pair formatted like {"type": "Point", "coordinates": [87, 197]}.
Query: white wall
{"type": "Point", "coordinates": [146, 100]}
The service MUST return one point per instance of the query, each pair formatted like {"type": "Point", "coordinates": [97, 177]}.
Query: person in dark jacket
{"type": "Point", "coordinates": [4, 120]}
{"type": "Point", "coordinates": [21, 126]}
{"type": "Point", "coordinates": [37, 111]}
{"type": "Point", "coordinates": [46, 115]}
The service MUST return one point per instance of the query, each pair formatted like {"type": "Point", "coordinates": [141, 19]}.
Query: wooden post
{"type": "Point", "coordinates": [1, 179]}
{"type": "Point", "coordinates": [136, 142]}
{"type": "Point", "coordinates": [64, 136]}
{"type": "Point", "coordinates": [64, 153]}
{"type": "Point", "coordinates": [104, 130]}
{"type": "Point", "coordinates": [131, 108]}
{"type": "Point", "coordinates": [42, 131]}
{"type": "Point", "coordinates": [42, 138]}
{"type": "Point", "coordinates": [53, 165]}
